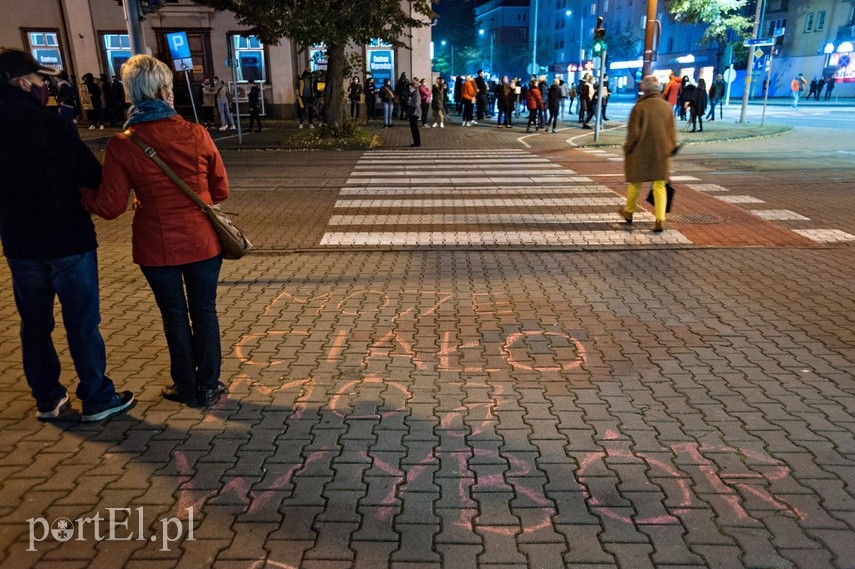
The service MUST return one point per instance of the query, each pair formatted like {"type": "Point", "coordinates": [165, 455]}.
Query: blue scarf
{"type": "Point", "coordinates": [149, 110]}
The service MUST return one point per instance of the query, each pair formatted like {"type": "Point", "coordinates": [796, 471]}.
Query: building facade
{"type": "Point", "coordinates": [91, 36]}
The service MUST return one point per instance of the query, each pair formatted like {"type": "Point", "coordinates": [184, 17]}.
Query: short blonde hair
{"type": "Point", "coordinates": [144, 76]}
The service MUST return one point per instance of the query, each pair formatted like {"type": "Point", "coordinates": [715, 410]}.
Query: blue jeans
{"type": "Point", "coordinates": [194, 343]}
{"type": "Point", "coordinates": [387, 113]}
{"type": "Point", "coordinates": [74, 279]}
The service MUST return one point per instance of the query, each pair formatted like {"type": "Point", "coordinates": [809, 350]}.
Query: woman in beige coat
{"type": "Point", "coordinates": [651, 140]}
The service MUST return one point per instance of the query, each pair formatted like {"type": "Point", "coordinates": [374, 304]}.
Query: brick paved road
{"type": "Point", "coordinates": [662, 405]}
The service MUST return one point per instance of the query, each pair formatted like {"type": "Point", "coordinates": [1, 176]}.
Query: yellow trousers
{"type": "Point", "coordinates": [660, 198]}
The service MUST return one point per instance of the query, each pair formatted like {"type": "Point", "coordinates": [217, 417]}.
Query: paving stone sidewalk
{"type": "Point", "coordinates": [456, 408]}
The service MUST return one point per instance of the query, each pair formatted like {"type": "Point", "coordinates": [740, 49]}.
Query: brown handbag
{"type": "Point", "coordinates": [233, 240]}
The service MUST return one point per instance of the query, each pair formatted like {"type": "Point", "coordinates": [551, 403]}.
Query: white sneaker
{"type": "Point", "coordinates": [311, 126]}
{"type": "Point", "coordinates": [224, 127]}
{"type": "Point", "coordinates": [433, 125]}
{"type": "Point", "coordinates": [92, 127]}
{"type": "Point", "coordinates": [101, 127]}
{"type": "Point", "coordinates": [472, 123]}
{"type": "Point", "coordinates": [301, 126]}
{"type": "Point", "coordinates": [233, 127]}
{"type": "Point", "coordinates": [441, 125]}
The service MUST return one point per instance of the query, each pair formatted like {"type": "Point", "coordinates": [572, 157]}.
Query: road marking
{"type": "Point", "coordinates": [488, 190]}
{"type": "Point", "coordinates": [707, 188]}
{"type": "Point", "coordinates": [826, 235]}
{"type": "Point", "coordinates": [778, 215]}
{"type": "Point", "coordinates": [740, 199]}
{"type": "Point", "coordinates": [499, 202]}
{"type": "Point", "coordinates": [482, 218]}
{"type": "Point", "coordinates": [575, 238]}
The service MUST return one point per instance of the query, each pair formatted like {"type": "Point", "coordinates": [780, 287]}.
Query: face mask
{"type": "Point", "coordinates": [41, 92]}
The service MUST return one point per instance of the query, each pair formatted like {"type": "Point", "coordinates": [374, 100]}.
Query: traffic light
{"type": "Point", "coordinates": [599, 37]}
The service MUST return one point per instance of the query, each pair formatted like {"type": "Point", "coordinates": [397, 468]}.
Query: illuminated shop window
{"type": "Point", "coordinates": [118, 50]}
{"type": "Point", "coordinates": [249, 53]}
{"type": "Point", "coordinates": [44, 45]}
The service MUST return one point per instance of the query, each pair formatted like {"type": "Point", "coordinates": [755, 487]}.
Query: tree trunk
{"type": "Point", "coordinates": [334, 91]}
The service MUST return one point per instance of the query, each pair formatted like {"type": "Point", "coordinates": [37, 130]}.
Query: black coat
{"type": "Point", "coordinates": [44, 166]}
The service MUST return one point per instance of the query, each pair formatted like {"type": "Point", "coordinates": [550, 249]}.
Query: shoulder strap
{"type": "Point", "coordinates": [149, 151]}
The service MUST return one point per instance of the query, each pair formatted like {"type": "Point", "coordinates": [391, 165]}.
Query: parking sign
{"type": "Point", "coordinates": [179, 48]}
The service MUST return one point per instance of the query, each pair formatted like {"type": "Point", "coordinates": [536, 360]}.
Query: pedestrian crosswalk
{"type": "Point", "coordinates": [479, 198]}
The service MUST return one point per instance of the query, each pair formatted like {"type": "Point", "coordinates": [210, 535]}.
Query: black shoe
{"type": "Point", "coordinates": [209, 396]}
{"type": "Point", "coordinates": [119, 403]}
{"type": "Point", "coordinates": [415, 145]}
{"type": "Point", "coordinates": [586, 127]}
{"type": "Point", "coordinates": [170, 393]}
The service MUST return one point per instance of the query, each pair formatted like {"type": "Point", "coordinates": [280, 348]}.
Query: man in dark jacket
{"type": "Point", "coordinates": [481, 97]}
{"type": "Point", "coordinates": [49, 242]}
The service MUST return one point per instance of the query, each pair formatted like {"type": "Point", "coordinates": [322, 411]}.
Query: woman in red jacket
{"type": "Point", "coordinates": [173, 241]}
{"type": "Point", "coordinates": [533, 102]}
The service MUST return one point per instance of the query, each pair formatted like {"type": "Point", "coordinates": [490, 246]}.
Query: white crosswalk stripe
{"type": "Point", "coordinates": [479, 198]}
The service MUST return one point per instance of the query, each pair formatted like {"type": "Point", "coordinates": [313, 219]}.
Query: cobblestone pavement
{"type": "Point", "coordinates": [687, 402]}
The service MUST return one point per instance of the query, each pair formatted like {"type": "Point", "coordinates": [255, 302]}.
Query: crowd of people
{"type": "Point", "coordinates": [477, 99]}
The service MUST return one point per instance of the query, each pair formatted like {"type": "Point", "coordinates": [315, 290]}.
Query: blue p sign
{"type": "Point", "coordinates": [178, 45]}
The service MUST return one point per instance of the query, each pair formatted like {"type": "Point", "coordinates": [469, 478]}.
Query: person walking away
{"type": "Point", "coordinates": [581, 91]}
{"type": "Point", "coordinates": [716, 96]}
{"type": "Point", "coordinates": [354, 93]}
{"type": "Point", "coordinates": [107, 90]}
{"type": "Point", "coordinates": [504, 100]}
{"type": "Point", "coordinates": [468, 93]}
{"type": "Point", "coordinates": [437, 102]}
{"type": "Point", "coordinates": [829, 87]}
{"type": "Point", "coordinates": [697, 101]}
{"type": "Point", "coordinates": [402, 90]}
{"type": "Point", "coordinates": [173, 240]}
{"type": "Point", "coordinates": [797, 85]}
{"type": "Point", "coordinates": [387, 97]}
{"type": "Point", "coordinates": [65, 101]}
{"type": "Point", "coordinates": [254, 97]}
{"type": "Point", "coordinates": [95, 99]}
{"type": "Point", "coordinates": [223, 99]}
{"type": "Point", "coordinates": [50, 245]}
{"type": "Point", "coordinates": [533, 102]}
{"type": "Point", "coordinates": [414, 111]}
{"type": "Point", "coordinates": [554, 104]}
{"type": "Point", "coordinates": [671, 93]}
{"type": "Point", "coordinates": [651, 140]}
{"type": "Point", "coordinates": [370, 98]}
{"type": "Point", "coordinates": [458, 94]}
{"type": "Point", "coordinates": [306, 100]}
{"type": "Point", "coordinates": [424, 98]}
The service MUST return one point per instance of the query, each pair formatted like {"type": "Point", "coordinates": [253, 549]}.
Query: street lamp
{"type": "Point", "coordinates": [443, 42]}
{"type": "Point", "coordinates": [481, 32]}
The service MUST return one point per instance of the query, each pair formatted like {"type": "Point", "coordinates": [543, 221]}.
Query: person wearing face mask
{"type": "Point", "coordinates": [49, 243]}
{"type": "Point", "coordinates": [173, 240]}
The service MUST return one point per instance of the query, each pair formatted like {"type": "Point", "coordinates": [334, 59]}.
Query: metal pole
{"type": "Point", "coordinates": [649, 31]}
{"type": "Point", "coordinates": [600, 96]}
{"type": "Point", "coordinates": [135, 32]}
{"type": "Point", "coordinates": [534, 68]}
{"type": "Point", "coordinates": [234, 82]}
{"type": "Point", "coordinates": [750, 69]}
{"type": "Point", "coordinates": [192, 99]}
{"type": "Point", "coordinates": [768, 81]}
{"type": "Point", "coordinates": [492, 35]}
{"type": "Point", "coordinates": [452, 60]}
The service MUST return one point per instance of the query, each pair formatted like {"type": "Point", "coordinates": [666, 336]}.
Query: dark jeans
{"type": "Point", "coordinates": [254, 117]}
{"type": "Point", "coordinates": [370, 103]}
{"type": "Point", "coordinates": [467, 110]}
{"type": "Point", "coordinates": [74, 279]}
{"type": "Point", "coordinates": [308, 109]}
{"type": "Point", "coordinates": [194, 343]}
{"type": "Point", "coordinates": [354, 109]}
{"type": "Point", "coordinates": [414, 128]}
